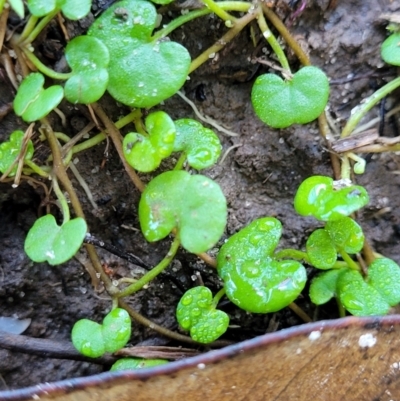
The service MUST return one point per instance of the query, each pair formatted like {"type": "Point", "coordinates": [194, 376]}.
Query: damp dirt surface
{"type": "Point", "coordinates": [259, 177]}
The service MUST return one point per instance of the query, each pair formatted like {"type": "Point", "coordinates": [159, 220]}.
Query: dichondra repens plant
{"type": "Point", "coordinates": [124, 54]}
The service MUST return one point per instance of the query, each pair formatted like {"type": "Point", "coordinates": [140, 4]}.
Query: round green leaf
{"type": "Point", "coordinates": [194, 205]}
{"type": "Point", "coordinates": [346, 234]}
{"type": "Point", "coordinates": [75, 9]}
{"type": "Point", "coordinates": [201, 145]}
{"type": "Point", "coordinates": [136, 363]}
{"type": "Point", "coordinates": [93, 339]}
{"type": "Point", "coordinates": [390, 50]}
{"type": "Point", "coordinates": [88, 58]}
{"type": "Point", "coordinates": [196, 312]}
{"type": "Point", "coordinates": [359, 298]}
{"type": "Point", "coordinates": [323, 287]}
{"type": "Point", "coordinates": [10, 149]}
{"type": "Point", "coordinates": [40, 8]}
{"type": "Point", "coordinates": [384, 276]}
{"type": "Point", "coordinates": [320, 250]}
{"type": "Point", "coordinates": [144, 153]}
{"type": "Point", "coordinates": [47, 241]}
{"type": "Point", "coordinates": [32, 102]}
{"type": "Point", "coordinates": [255, 281]}
{"type": "Point", "coordinates": [142, 72]}
{"type": "Point", "coordinates": [318, 197]}
{"type": "Point", "coordinates": [300, 100]}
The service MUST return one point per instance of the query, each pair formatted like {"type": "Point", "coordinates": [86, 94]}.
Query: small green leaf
{"type": "Point", "coordinates": [9, 151]}
{"type": "Point", "coordinates": [193, 204]}
{"type": "Point", "coordinates": [320, 250]}
{"type": "Point", "coordinates": [195, 312]}
{"type": "Point", "coordinates": [18, 7]}
{"type": "Point", "coordinates": [201, 145]}
{"type": "Point", "coordinates": [384, 276]}
{"type": "Point", "coordinates": [318, 197]}
{"type": "Point", "coordinates": [93, 339]}
{"type": "Point", "coordinates": [144, 153]}
{"type": "Point", "coordinates": [40, 8]}
{"type": "Point", "coordinates": [32, 102]}
{"type": "Point", "coordinates": [390, 50]}
{"type": "Point", "coordinates": [136, 363]}
{"type": "Point", "coordinates": [72, 9]}
{"type": "Point", "coordinates": [253, 279]}
{"type": "Point", "coordinates": [47, 241]}
{"type": "Point", "coordinates": [143, 72]}
{"type": "Point", "coordinates": [300, 100]}
{"type": "Point", "coordinates": [88, 58]}
{"type": "Point", "coordinates": [359, 298]}
{"type": "Point", "coordinates": [323, 287]}
{"type": "Point", "coordinates": [346, 234]}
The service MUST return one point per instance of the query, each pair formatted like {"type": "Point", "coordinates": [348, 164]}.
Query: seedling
{"type": "Point", "coordinates": [94, 340]}
{"type": "Point", "coordinates": [73, 10]}
{"type": "Point", "coordinates": [136, 363]}
{"type": "Point", "coordinates": [196, 313]}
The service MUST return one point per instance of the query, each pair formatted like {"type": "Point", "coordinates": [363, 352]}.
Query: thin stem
{"type": "Point", "coordinates": [3, 25]}
{"type": "Point", "coordinates": [117, 140]}
{"type": "Point", "coordinates": [30, 25]}
{"type": "Point", "coordinates": [345, 169]}
{"type": "Point", "coordinates": [153, 273]}
{"type": "Point", "coordinates": [35, 168]}
{"type": "Point", "coordinates": [350, 262]}
{"type": "Point", "coordinates": [342, 311]}
{"type": "Point", "coordinates": [62, 199]}
{"type": "Point", "coordinates": [361, 110]}
{"type": "Point", "coordinates": [205, 257]}
{"type": "Point", "coordinates": [269, 36]}
{"type": "Point", "coordinates": [300, 313]}
{"type": "Point", "coordinates": [238, 26]}
{"type": "Point", "coordinates": [218, 296]}
{"type": "Point", "coordinates": [38, 28]}
{"type": "Point", "coordinates": [179, 164]}
{"type": "Point", "coordinates": [292, 254]}
{"type": "Point", "coordinates": [44, 69]}
{"type": "Point", "coordinates": [217, 10]}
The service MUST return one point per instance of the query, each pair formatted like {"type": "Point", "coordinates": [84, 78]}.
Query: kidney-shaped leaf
{"type": "Point", "coordinates": [88, 58]}
{"type": "Point", "coordinates": [142, 72]}
{"type": "Point", "coordinates": [300, 100]}
{"type": "Point", "coordinates": [194, 205]}
{"type": "Point", "coordinates": [32, 102]}
{"type": "Point", "coordinates": [320, 249]}
{"type": "Point", "coordinates": [318, 197]}
{"type": "Point", "coordinates": [323, 287]}
{"type": "Point", "coordinates": [144, 153]}
{"type": "Point", "coordinates": [255, 281]}
{"type": "Point", "coordinates": [10, 149]}
{"type": "Point", "coordinates": [72, 9]}
{"type": "Point", "coordinates": [390, 50]}
{"type": "Point", "coordinates": [201, 145]}
{"type": "Point", "coordinates": [47, 241]}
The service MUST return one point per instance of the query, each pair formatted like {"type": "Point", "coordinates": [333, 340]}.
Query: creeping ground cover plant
{"type": "Point", "coordinates": [129, 55]}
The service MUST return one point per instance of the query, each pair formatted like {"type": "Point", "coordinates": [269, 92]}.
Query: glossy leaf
{"type": "Point", "coordinates": [195, 312]}
{"type": "Point", "coordinates": [48, 242]}
{"type": "Point", "coordinates": [10, 150]}
{"type": "Point", "coordinates": [32, 102]}
{"type": "Point", "coordinates": [323, 287]}
{"type": "Point", "coordinates": [318, 197]}
{"type": "Point", "coordinates": [390, 50]}
{"type": "Point", "coordinates": [144, 153]}
{"type": "Point", "coordinates": [320, 250]}
{"type": "Point", "coordinates": [72, 9]}
{"type": "Point", "coordinates": [192, 204]}
{"type": "Point", "coordinates": [18, 7]}
{"type": "Point", "coordinates": [201, 145]}
{"type": "Point", "coordinates": [88, 58]}
{"type": "Point", "coordinates": [93, 339]}
{"type": "Point", "coordinates": [142, 72]}
{"type": "Point", "coordinates": [302, 99]}
{"type": "Point", "coordinates": [255, 281]}
{"type": "Point", "coordinates": [136, 363]}
{"type": "Point", "coordinates": [346, 234]}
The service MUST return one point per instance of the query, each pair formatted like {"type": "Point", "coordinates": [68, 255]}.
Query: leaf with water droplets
{"type": "Point", "coordinates": [323, 287]}
{"type": "Point", "coordinates": [145, 152]}
{"type": "Point", "coordinates": [253, 279]}
{"type": "Point", "coordinates": [346, 234]}
{"type": "Point", "coordinates": [201, 145]}
{"type": "Point", "coordinates": [93, 339]}
{"type": "Point", "coordinates": [320, 249]}
{"type": "Point", "coordinates": [194, 205]}
{"type": "Point", "coordinates": [47, 241]}
{"type": "Point", "coordinates": [136, 363]}
{"type": "Point", "coordinates": [72, 9]}
{"type": "Point", "coordinates": [196, 312]}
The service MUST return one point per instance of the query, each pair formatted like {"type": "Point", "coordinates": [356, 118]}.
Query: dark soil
{"type": "Point", "coordinates": [259, 178]}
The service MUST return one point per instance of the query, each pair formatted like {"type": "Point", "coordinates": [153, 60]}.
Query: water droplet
{"type": "Point", "coordinates": [255, 238]}
{"type": "Point", "coordinates": [140, 84]}
{"type": "Point", "coordinates": [187, 300]}
{"type": "Point", "coordinates": [195, 312]}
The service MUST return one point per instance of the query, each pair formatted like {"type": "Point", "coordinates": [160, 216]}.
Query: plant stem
{"type": "Point", "coordinates": [181, 161]}
{"type": "Point", "coordinates": [269, 36]}
{"type": "Point", "coordinates": [292, 254]}
{"type": "Point", "coordinates": [238, 26]}
{"type": "Point", "coordinates": [214, 7]}
{"type": "Point", "coordinates": [153, 273]}
{"type": "Point", "coordinates": [342, 311]}
{"type": "Point", "coordinates": [35, 168]}
{"type": "Point", "coordinates": [361, 110]}
{"type": "Point", "coordinates": [350, 262]}
{"type": "Point", "coordinates": [300, 313]}
{"type": "Point", "coordinates": [43, 69]}
{"type": "Point", "coordinates": [62, 199]}
{"type": "Point", "coordinates": [37, 29]}
{"type": "Point", "coordinates": [30, 25]}
{"type": "Point", "coordinates": [218, 296]}
{"type": "Point", "coordinates": [117, 140]}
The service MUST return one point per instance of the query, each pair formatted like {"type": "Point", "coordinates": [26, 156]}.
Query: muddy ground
{"type": "Point", "coordinates": [259, 178]}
